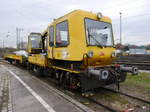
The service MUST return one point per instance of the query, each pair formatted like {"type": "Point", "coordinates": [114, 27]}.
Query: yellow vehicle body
{"type": "Point", "coordinates": [38, 59]}
{"type": "Point", "coordinates": [35, 50]}
{"type": "Point", "coordinates": [14, 57]}
{"type": "Point", "coordinates": [77, 40]}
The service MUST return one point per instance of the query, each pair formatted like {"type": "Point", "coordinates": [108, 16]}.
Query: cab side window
{"type": "Point", "coordinates": [51, 36]}
{"type": "Point", "coordinates": [62, 34]}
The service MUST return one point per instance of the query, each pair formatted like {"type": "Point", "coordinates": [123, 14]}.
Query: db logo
{"type": "Point", "coordinates": [101, 54]}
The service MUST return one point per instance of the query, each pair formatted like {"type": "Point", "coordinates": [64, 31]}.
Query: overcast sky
{"type": "Point", "coordinates": [35, 15]}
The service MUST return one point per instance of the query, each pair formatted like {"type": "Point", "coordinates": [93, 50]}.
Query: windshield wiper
{"type": "Point", "coordinates": [89, 35]}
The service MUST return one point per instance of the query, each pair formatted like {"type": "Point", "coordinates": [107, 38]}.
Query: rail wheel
{"type": "Point", "coordinates": [122, 77]}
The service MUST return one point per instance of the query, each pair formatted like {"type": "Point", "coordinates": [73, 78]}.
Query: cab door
{"type": "Point", "coordinates": [51, 42]}
{"type": "Point", "coordinates": [61, 41]}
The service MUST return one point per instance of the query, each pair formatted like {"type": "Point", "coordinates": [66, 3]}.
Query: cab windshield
{"type": "Point", "coordinates": [98, 33]}
{"type": "Point", "coordinates": [36, 41]}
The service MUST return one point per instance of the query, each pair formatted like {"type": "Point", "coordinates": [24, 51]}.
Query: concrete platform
{"type": "Point", "coordinates": [26, 93]}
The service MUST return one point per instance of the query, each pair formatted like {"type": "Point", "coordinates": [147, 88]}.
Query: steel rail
{"type": "Point", "coordinates": [122, 93]}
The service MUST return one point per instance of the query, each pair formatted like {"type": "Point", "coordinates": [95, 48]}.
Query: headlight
{"type": "Point", "coordinates": [99, 15]}
{"type": "Point", "coordinates": [90, 54]}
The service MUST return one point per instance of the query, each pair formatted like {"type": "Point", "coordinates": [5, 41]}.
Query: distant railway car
{"type": "Point", "coordinates": [37, 60]}
{"type": "Point", "coordinates": [18, 57]}
{"type": "Point", "coordinates": [13, 57]}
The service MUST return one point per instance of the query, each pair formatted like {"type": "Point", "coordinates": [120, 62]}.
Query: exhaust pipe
{"type": "Point", "coordinates": [133, 70]}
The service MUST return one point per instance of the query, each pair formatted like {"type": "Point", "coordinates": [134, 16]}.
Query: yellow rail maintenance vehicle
{"type": "Point", "coordinates": [13, 58]}
{"type": "Point", "coordinates": [37, 59]}
{"type": "Point", "coordinates": [18, 57]}
{"type": "Point", "coordinates": [79, 48]}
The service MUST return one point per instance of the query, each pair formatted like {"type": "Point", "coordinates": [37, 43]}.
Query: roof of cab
{"type": "Point", "coordinates": [74, 13]}
{"type": "Point", "coordinates": [78, 12]}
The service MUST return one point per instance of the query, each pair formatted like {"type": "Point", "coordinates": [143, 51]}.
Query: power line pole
{"type": "Point", "coordinates": [3, 43]}
{"type": "Point", "coordinates": [20, 29]}
{"type": "Point", "coordinates": [18, 37]}
{"type": "Point", "coordinates": [120, 28]}
{"type": "Point", "coordinates": [8, 34]}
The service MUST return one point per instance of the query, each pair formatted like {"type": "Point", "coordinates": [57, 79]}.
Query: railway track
{"type": "Point", "coordinates": [108, 108]}
{"type": "Point", "coordinates": [130, 96]}
{"type": "Point", "coordinates": [140, 65]}
{"type": "Point", "coordinates": [117, 92]}
{"type": "Point", "coordinates": [141, 61]}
